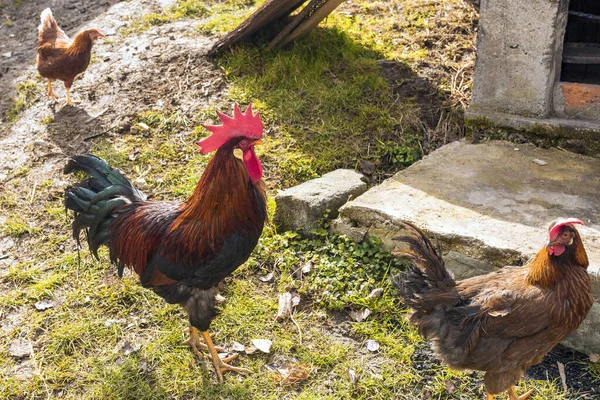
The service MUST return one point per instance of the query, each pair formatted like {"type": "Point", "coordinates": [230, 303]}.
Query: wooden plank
{"type": "Point", "coordinates": [314, 20]}
{"type": "Point", "coordinates": [581, 53]}
{"type": "Point", "coordinates": [294, 23]}
{"type": "Point", "coordinates": [589, 17]}
{"type": "Point", "coordinates": [268, 13]}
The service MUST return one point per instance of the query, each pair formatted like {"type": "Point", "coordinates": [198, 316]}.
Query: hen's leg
{"type": "Point", "coordinates": [50, 92]}
{"type": "Point", "coordinates": [512, 394]}
{"type": "Point", "coordinates": [68, 89]}
{"type": "Point", "coordinates": [68, 102]}
{"type": "Point", "coordinates": [195, 342]}
{"type": "Point", "coordinates": [220, 365]}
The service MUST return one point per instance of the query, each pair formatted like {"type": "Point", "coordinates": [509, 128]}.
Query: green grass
{"type": "Point", "coordinates": [26, 94]}
{"type": "Point", "coordinates": [326, 103]}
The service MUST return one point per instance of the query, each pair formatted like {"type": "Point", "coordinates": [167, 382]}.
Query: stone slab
{"type": "Point", "coordinates": [490, 203]}
{"type": "Point", "coordinates": [301, 207]}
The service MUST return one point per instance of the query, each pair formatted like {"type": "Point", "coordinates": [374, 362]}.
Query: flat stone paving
{"type": "Point", "coordinates": [492, 202]}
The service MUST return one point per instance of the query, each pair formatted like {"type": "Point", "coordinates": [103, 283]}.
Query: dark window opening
{"type": "Point", "coordinates": [581, 54]}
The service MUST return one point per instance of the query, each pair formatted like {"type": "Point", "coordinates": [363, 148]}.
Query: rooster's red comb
{"type": "Point", "coordinates": [556, 225]}
{"type": "Point", "coordinates": [245, 124]}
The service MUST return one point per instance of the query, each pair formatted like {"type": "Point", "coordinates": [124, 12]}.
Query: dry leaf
{"type": "Point", "coordinates": [266, 278]}
{"type": "Point", "coordinates": [250, 350]}
{"type": "Point", "coordinates": [353, 376]}
{"type": "Point", "coordinates": [594, 358]}
{"type": "Point", "coordinates": [450, 387]}
{"type": "Point", "coordinates": [236, 346]}
{"type": "Point", "coordinates": [563, 376]}
{"type": "Point", "coordinates": [295, 300]}
{"type": "Point", "coordinates": [287, 301]}
{"type": "Point", "coordinates": [361, 315]}
{"type": "Point", "coordinates": [19, 348]}
{"type": "Point", "coordinates": [307, 267]}
{"type": "Point", "coordinates": [375, 293]}
{"type": "Point", "coordinates": [127, 348]}
{"type": "Point", "coordinates": [372, 345]}
{"type": "Point", "coordinates": [44, 305]}
{"type": "Point", "coordinates": [112, 321]}
{"type": "Point", "coordinates": [294, 373]}
{"type": "Point", "coordinates": [263, 345]}
{"type": "Point", "coordinates": [219, 298]}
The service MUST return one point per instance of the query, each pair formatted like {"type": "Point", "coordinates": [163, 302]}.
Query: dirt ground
{"type": "Point", "coordinates": [164, 67]}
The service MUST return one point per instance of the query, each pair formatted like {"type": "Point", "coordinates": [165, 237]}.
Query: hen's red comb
{"type": "Point", "coordinates": [240, 125]}
{"type": "Point", "coordinates": [555, 228]}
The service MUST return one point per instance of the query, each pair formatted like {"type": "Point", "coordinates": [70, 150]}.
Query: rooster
{"type": "Point", "coordinates": [181, 250]}
{"type": "Point", "coordinates": [502, 322]}
{"type": "Point", "coordinates": [59, 57]}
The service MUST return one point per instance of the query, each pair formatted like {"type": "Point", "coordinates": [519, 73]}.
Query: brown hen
{"type": "Point", "coordinates": [59, 57]}
{"type": "Point", "coordinates": [503, 322]}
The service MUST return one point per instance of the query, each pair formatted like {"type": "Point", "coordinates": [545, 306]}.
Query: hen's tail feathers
{"type": "Point", "coordinates": [427, 282]}
{"type": "Point", "coordinates": [47, 20]}
{"type": "Point", "coordinates": [96, 201]}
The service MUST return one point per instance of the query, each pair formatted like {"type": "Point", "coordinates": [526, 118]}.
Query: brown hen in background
{"type": "Point", "coordinates": [59, 57]}
{"type": "Point", "coordinates": [503, 322]}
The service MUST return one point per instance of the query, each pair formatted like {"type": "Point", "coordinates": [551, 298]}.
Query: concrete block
{"type": "Point", "coordinates": [519, 48]}
{"type": "Point", "coordinates": [301, 207]}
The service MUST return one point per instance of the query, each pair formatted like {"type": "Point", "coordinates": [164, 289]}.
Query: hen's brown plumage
{"type": "Point", "coordinates": [59, 57]}
{"type": "Point", "coordinates": [502, 322]}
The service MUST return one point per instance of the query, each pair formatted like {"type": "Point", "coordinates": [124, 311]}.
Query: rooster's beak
{"type": "Point", "coordinates": [257, 142]}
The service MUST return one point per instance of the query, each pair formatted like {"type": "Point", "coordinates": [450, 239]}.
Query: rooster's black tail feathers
{"type": "Point", "coordinates": [96, 200]}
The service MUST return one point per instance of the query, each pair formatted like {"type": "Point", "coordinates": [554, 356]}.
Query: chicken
{"type": "Point", "coordinates": [181, 250]}
{"type": "Point", "coordinates": [502, 322]}
{"type": "Point", "coordinates": [59, 57]}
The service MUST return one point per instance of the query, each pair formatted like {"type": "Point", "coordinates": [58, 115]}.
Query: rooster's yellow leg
{"type": "Point", "coordinates": [50, 92]}
{"type": "Point", "coordinates": [220, 365]}
{"type": "Point", "coordinates": [195, 342]}
{"type": "Point", "coordinates": [512, 394]}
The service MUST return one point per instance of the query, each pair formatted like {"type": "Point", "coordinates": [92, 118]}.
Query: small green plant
{"type": "Point", "coordinates": [342, 272]}
{"type": "Point", "coordinates": [402, 156]}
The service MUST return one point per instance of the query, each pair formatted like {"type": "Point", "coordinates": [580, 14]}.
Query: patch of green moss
{"type": "Point", "coordinates": [27, 93]}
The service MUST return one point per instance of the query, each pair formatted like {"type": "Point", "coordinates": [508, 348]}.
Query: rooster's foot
{"type": "Point", "coordinates": [512, 395]}
{"type": "Point", "coordinates": [196, 343]}
{"type": "Point", "coordinates": [220, 364]}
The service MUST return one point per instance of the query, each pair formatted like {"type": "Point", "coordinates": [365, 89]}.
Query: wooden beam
{"type": "Point", "coordinates": [314, 20]}
{"type": "Point", "coordinates": [294, 23]}
{"type": "Point", "coordinates": [581, 53]}
{"type": "Point", "coordinates": [268, 13]}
